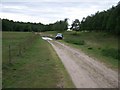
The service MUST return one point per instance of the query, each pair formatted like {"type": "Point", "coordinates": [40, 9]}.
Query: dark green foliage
{"type": "Point", "coordinates": [60, 26]}
{"type": "Point", "coordinates": [110, 52]}
{"type": "Point", "coordinates": [105, 21]}
{"type": "Point", "coordinates": [99, 48]}
{"type": "Point", "coordinates": [76, 25]}
{"type": "Point", "coordinates": [75, 41]}
{"type": "Point", "coordinates": [90, 48]}
{"type": "Point", "coordinates": [10, 25]}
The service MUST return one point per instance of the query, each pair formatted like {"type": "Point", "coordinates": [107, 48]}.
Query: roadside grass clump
{"type": "Point", "coordinates": [90, 48]}
{"type": "Point", "coordinates": [74, 38]}
{"type": "Point", "coordinates": [75, 41]}
{"type": "Point", "coordinates": [99, 48]}
{"type": "Point", "coordinates": [110, 52]}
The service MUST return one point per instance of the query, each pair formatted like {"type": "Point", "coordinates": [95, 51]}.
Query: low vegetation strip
{"type": "Point", "coordinates": [40, 67]}
{"type": "Point", "coordinates": [100, 45]}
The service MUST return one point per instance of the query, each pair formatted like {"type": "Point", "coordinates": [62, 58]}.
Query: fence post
{"type": "Point", "coordinates": [19, 50]}
{"type": "Point", "coordinates": [10, 54]}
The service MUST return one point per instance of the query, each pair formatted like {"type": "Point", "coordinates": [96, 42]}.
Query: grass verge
{"type": "Point", "coordinates": [40, 67]}
{"type": "Point", "coordinates": [99, 45]}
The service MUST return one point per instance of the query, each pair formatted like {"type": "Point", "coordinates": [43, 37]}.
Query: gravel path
{"type": "Point", "coordinates": [85, 72]}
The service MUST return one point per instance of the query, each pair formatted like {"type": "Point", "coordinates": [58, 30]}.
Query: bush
{"type": "Point", "coordinates": [75, 41]}
{"type": "Point", "coordinates": [90, 48]}
{"type": "Point", "coordinates": [110, 52]}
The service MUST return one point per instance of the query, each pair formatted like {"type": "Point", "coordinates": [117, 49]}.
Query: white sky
{"type": "Point", "coordinates": [49, 11]}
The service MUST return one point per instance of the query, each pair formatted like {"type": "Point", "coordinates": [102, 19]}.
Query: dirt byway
{"type": "Point", "coordinates": [85, 71]}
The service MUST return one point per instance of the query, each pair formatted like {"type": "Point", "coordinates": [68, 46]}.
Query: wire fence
{"type": "Point", "coordinates": [18, 50]}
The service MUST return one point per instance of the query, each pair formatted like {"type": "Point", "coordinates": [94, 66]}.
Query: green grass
{"type": "Point", "coordinates": [99, 45]}
{"type": "Point", "coordinates": [39, 67]}
{"type": "Point", "coordinates": [18, 41]}
{"type": "Point", "coordinates": [102, 46]}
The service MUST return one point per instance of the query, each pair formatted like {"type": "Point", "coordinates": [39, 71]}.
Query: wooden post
{"type": "Point", "coordinates": [19, 50]}
{"type": "Point", "coordinates": [9, 54]}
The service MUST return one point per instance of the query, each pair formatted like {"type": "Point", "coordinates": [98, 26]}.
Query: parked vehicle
{"type": "Point", "coordinates": [59, 36]}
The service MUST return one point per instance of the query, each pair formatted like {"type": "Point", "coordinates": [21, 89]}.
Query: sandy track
{"type": "Point", "coordinates": [85, 71]}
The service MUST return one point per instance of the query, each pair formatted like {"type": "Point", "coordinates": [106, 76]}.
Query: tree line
{"type": "Point", "coordinates": [10, 25]}
{"type": "Point", "coordinates": [105, 21]}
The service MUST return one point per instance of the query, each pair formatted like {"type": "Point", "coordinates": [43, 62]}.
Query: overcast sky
{"type": "Point", "coordinates": [49, 11]}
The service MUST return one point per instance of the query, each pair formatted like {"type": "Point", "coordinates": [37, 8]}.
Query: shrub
{"type": "Point", "coordinates": [110, 52]}
{"type": "Point", "coordinates": [79, 42]}
{"type": "Point", "coordinates": [90, 48]}
{"type": "Point", "coordinates": [99, 48]}
{"type": "Point", "coordinates": [75, 41]}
